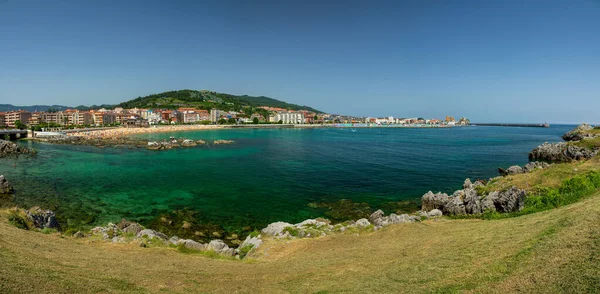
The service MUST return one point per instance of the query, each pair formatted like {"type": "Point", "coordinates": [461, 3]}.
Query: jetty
{"type": "Point", "coordinates": [544, 125]}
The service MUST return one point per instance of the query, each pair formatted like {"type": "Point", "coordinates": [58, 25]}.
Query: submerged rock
{"type": "Point", "coordinates": [220, 142]}
{"type": "Point", "coordinates": [188, 143]}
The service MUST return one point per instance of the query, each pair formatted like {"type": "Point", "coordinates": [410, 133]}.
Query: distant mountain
{"type": "Point", "coordinates": [207, 99]}
{"type": "Point", "coordinates": [10, 107]}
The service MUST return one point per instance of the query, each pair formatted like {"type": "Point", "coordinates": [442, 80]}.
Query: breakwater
{"type": "Point", "coordinates": [544, 125]}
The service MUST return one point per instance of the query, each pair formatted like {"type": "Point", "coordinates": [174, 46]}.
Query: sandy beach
{"type": "Point", "coordinates": [124, 132]}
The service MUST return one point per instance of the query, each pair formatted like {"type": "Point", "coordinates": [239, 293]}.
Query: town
{"type": "Point", "coordinates": [137, 117]}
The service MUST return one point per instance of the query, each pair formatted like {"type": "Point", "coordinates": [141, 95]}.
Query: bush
{"type": "Point", "coordinates": [293, 231]}
{"type": "Point", "coordinates": [19, 219]}
{"type": "Point", "coordinates": [245, 250]}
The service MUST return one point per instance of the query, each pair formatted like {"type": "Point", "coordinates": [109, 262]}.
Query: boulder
{"type": "Point", "coordinates": [133, 228]}
{"type": "Point", "coordinates": [42, 219]}
{"type": "Point", "coordinates": [515, 169]}
{"type": "Point", "coordinates": [275, 229]}
{"type": "Point", "coordinates": [468, 201]}
{"type": "Point", "coordinates": [191, 244]}
{"type": "Point", "coordinates": [8, 148]}
{"type": "Point", "coordinates": [5, 186]}
{"type": "Point", "coordinates": [532, 166]}
{"type": "Point", "coordinates": [434, 201]}
{"type": "Point", "coordinates": [511, 200]}
{"type": "Point", "coordinates": [255, 242]}
{"type": "Point", "coordinates": [188, 143]}
{"type": "Point", "coordinates": [579, 133]}
{"type": "Point", "coordinates": [220, 247]}
{"type": "Point", "coordinates": [220, 142]}
{"type": "Point", "coordinates": [561, 152]}
{"type": "Point", "coordinates": [151, 234]}
{"type": "Point", "coordinates": [363, 222]}
{"type": "Point", "coordinates": [434, 213]}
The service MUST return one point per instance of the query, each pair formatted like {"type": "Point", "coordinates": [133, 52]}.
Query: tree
{"type": "Point", "coordinates": [19, 125]}
{"type": "Point", "coordinates": [255, 120]}
{"type": "Point", "coordinates": [280, 122]}
{"type": "Point", "coordinates": [222, 121]}
{"type": "Point", "coordinates": [231, 121]}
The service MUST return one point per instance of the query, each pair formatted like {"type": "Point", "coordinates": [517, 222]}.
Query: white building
{"type": "Point", "coordinates": [290, 117]}
{"type": "Point", "coordinates": [215, 115]}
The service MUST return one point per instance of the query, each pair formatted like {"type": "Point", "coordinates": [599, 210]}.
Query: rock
{"type": "Point", "coordinates": [363, 222]}
{"type": "Point", "coordinates": [377, 218]}
{"type": "Point", "coordinates": [255, 242]}
{"type": "Point", "coordinates": [561, 152]}
{"type": "Point", "coordinates": [532, 166]}
{"type": "Point", "coordinates": [515, 169]}
{"type": "Point", "coordinates": [173, 240]}
{"type": "Point", "coordinates": [311, 222]}
{"type": "Point", "coordinates": [5, 186]}
{"type": "Point", "coordinates": [434, 213]}
{"type": "Point", "coordinates": [79, 234]}
{"type": "Point", "coordinates": [434, 201]}
{"type": "Point", "coordinates": [191, 244]}
{"type": "Point", "coordinates": [200, 142]}
{"type": "Point", "coordinates": [42, 219]}
{"type": "Point", "coordinates": [579, 133]}
{"type": "Point", "coordinates": [219, 142]}
{"type": "Point", "coordinates": [133, 228]}
{"type": "Point", "coordinates": [188, 143]}
{"type": "Point", "coordinates": [220, 247]}
{"type": "Point", "coordinates": [8, 148]}
{"type": "Point", "coordinates": [275, 229]}
{"type": "Point", "coordinates": [511, 200]}
{"type": "Point", "coordinates": [467, 201]}
{"type": "Point", "coordinates": [151, 234]}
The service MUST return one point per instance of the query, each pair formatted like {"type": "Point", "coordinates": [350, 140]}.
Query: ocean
{"type": "Point", "coordinates": [267, 175]}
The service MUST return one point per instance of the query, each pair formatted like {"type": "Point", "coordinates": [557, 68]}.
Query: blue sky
{"type": "Point", "coordinates": [504, 61]}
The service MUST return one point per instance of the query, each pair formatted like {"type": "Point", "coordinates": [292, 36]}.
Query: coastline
{"type": "Point", "coordinates": [125, 132]}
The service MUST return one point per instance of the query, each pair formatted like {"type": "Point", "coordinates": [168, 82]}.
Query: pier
{"type": "Point", "coordinates": [13, 134]}
{"type": "Point", "coordinates": [544, 125]}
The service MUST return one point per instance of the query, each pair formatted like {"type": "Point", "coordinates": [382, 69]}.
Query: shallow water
{"type": "Point", "coordinates": [267, 174]}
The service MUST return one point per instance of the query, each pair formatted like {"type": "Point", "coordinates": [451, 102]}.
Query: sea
{"type": "Point", "coordinates": [266, 175]}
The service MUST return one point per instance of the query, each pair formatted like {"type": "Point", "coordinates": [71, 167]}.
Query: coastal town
{"type": "Point", "coordinates": [139, 118]}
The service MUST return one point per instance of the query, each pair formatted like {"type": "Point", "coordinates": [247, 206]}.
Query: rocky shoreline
{"type": "Point", "coordinates": [567, 151]}
{"type": "Point", "coordinates": [123, 142]}
{"type": "Point", "coordinates": [10, 149]}
{"type": "Point", "coordinates": [475, 198]}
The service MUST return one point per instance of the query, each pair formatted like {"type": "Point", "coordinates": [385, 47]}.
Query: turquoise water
{"type": "Point", "coordinates": [267, 174]}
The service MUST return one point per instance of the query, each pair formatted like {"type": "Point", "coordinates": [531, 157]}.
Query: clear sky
{"type": "Point", "coordinates": [492, 61]}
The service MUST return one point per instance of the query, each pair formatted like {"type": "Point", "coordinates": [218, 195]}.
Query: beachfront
{"type": "Point", "coordinates": [124, 132]}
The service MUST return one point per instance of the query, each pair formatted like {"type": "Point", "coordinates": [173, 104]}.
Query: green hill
{"type": "Point", "coordinates": [206, 100]}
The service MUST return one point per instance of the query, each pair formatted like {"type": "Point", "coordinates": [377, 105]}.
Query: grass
{"type": "Point", "coordinates": [591, 143]}
{"type": "Point", "coordinates": [551, 177]}
{"type": "Point", "coordinates": [553, 251]}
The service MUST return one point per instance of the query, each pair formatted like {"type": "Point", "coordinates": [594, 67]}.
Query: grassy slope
{"type": "Point", "coordinates": [551, 177]}
{"type": "Point", "coordinates": [551, 251]}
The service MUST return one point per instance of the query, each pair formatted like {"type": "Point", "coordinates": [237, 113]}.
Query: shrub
{"type": "Point", "coordinates": [19, 219]}
{"type": "Point", "coordinates": [254, 234]}
{"type": "Point", "coordinates": [245, 250]}
{"type": "Point", "coordinates": [293, 231]}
